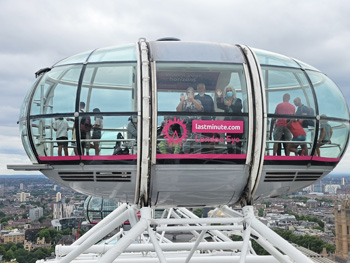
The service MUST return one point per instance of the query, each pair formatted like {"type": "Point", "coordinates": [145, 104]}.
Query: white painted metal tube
{"type": "Point", "coordinates": [100, 225]}
{"type": "Point", "coordinates": [213, 232]}
{"type": "Point", "coordinates": [246, 238]}
{"type": "Point", "coordinates": [183, 246]}
{"type": "Point", "coordinates": [198, 228]}
{"type": "Point", "coordinates": [156, 246]}
{"type": "Point", "coordinates": [269, 248]}
{"type": "Point", "coordinates": [130, 237]}
{"type": "Point", "coordinates": [96, 236]}
{"type": "Point", "coordinates": [115, 237]}
{"type": "Point", "coordinates": [279, 242]}
{"type": "Point", "coordinates": [195, 246]}
{"type": "Point", "coordinates": [221, 259]}
{"type": "Point", "coordinates": [182, 221]}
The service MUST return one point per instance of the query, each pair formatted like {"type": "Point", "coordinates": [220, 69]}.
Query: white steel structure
{"type": "Point", "coordinates": [209, 239]}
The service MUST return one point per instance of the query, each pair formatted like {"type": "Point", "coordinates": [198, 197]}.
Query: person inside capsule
{"type": "Point", "coordinates": [208, 106]}
{"type": "Point", "coordinates": [61, 127]}
{"type": "Point", "coordinates": [205, 99]}
{"type": "Point", "coordinates": [170, 148]}
{"type": "Point", "coordinates": [298, 135]}
{"type": "Point", "coordinates": [85, 128]}
{"type": "Point", "coordinates": [189, 104]}
{"type": "Point", "coordinates": [230, 104]}
{"type": "Point", "coordinates": [325, 135]}
{"type": "Point", "coordinates": [281, 128]}
{"type": "Point", "coordinates": [97, 130]}
{"type": "Point", "coordinates": [132, 132]}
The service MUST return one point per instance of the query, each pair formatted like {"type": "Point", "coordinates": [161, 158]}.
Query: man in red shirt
{"type": "Point", "coordinates": [281, 129]}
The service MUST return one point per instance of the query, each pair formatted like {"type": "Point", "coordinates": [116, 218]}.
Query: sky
{"type": "Point", "coordinates": [36, 34]}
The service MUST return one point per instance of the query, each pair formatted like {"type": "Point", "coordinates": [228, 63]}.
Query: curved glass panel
{"type": "Point", "coordinates": [25, 141]}
{"type": "Point", "coordinates": [192, 51]}
{"type": "Point", "coordinates": [214, 97]}
{"type": "Point", "coordinates": [53, 136]}
{"type": "Point", "coordinates": [288, 93]}
{"type": "Point", "coordinates": [293, 139]}
{"type": "Point", "coordinates": [96, 208]}
{"type": "Point", "coordinates": [332, 138]}
{"type": "Point", "coordinates": [79, 58]}
{"type": "Point", "coordinates": [25, 104]}
{"type": "Point", "coordinates": [331, 101]}
{"type": "Point", "coordinates": [279, 81]}
{"type": "Point", "coordinates": [116, 53]}
{"type": "Point", "coordinates": [108, 206]}
{"type": "Point", "coordinates": [274, 59]}
{"type": "Point", "coordinates": [305, 66]}
{"type": "Point", "coordinates": [110, 87]}
{"type": "Point", "coordinates": [57, 91]}
{"type": "Point", "coordinates": [109, 135]}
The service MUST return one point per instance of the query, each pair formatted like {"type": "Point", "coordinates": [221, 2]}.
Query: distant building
{"type": "Point", "coordinates": [64, 223]}
{"type": "Point", "coordinates": [58, 196]}
{"type": "Point", "coordinates": [2, 190]}
{"type": "Point", "coordinates": [36, 213]}
{"type": "Point", "coordinates": [21, 186]}
{"type": "Point", "coordinates": [61, 210]}
{"type": "Point", "coordinates": [342, 230]}
{"type": "Point", "coordinates": [22, 197]}
{"type": "Point", "coordinates": [331, 188]}
{"type": "Point", "coordinates": [14, 236]}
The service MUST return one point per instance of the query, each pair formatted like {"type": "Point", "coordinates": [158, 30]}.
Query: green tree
{"type": "Point", "coordinates": [267, 203]}
{"type": "Point", "coordinates": [2, 214]}
{"type": "Point", "coordinates": [9, 255]}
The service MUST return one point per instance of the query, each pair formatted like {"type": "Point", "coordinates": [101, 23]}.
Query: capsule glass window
{"type": "Point", "coordinates": [332, 139]}
{"type": "Point", "coordinates": [56, 92]}
{"type": "Point", "coordinates": [110, 87]}
{"type": "Point", "coordinates": [330, 100]}
{"type": "Point", "coordinates": [210, 101]}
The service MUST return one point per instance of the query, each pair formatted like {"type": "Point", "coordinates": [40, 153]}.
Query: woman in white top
{"type": "Point", "coordinates": [61, 128]}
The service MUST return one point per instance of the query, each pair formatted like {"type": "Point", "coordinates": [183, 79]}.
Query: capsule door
{"type": "Point", "coordinates": [199, 146]}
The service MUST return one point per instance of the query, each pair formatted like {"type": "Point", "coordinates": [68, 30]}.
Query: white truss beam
{"type": "Point", "coordinates": [208, 239]}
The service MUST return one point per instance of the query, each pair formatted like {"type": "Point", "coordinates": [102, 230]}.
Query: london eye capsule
{"type": "Point", "coordinates": [174, 123]}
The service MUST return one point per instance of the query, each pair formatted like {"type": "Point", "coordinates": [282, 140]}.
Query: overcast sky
{"type": "Point", "coordinates": [36, 34]}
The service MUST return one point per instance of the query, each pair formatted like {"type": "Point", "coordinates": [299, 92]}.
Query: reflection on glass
{"type": "Point", "coordinates": [291, 137]}
{"type": "Point", "coordinates": [174, 79]}
{"type": "Point", "coordinates": [111, 135]}
{"type": "Point", "coordinates": [332, 138]}
{"type": "Point", "coordinates": [192, 135]}
{"type": "Point", "coordinates": [330, 99]}
{"type": "Point", "coordinates": [53, 136]}
{"type": "Point", "coordinates": [25, 140]}
{"type": "Point", "coordinates": [110, 87]}
{"type": "Point", "coordinates": [96, 208]}
{"type": "Point", "coordinates": [281, 81]}
{"type": "Point", "coordinates": [56, 92]}
{"type": "Point", "coordinates": [79, 58]}
{"type": "Point", "coordinates": [270, 58]}
{"type": "Point", "coordinates": [116, 53]}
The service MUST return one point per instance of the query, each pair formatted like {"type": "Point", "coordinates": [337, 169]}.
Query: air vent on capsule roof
{"type": "Point", "coordinates": [168, 39]}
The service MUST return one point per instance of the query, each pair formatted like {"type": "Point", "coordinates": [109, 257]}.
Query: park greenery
{"type": "Point", "coordinates": [12, 251]}
{"type": "Point", "coordinates": [310, 242]}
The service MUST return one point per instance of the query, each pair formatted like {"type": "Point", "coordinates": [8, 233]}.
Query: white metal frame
{"type": "Point", "coordinates": [208, 239]}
